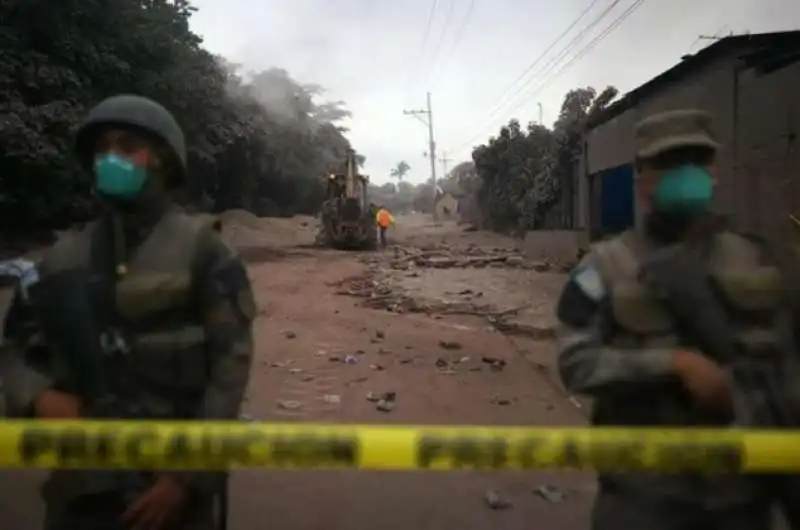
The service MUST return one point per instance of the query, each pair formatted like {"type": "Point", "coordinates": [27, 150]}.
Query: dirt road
{"type": "Point", "coordinates": [334, 327]}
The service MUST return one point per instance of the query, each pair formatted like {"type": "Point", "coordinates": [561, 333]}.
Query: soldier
{"type": "Point", "coordinates": [621, 344]}
{"type": "Point", "coordinates": [182, 309]}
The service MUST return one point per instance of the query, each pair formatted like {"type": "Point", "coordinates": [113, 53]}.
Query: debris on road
{"type": "Point", "coordinates": [385, 406]}
{"type": "Point", "coordinates": [384, 402]}
{"type": "Point", "coordinates": [550, 493]}
{"type": "Point", "coordinates": [444, 257]}
{"type": "Point", "coordinates": [449, 345]}
{"type": "Point", "coordinates": [333, 399]}
{"type": "Point", "coordinates": [496, 365]}
{"type": "Point", "coordinates": [287, 404]}
{"type": "Point", "coordinates": [289, 334]}
{"type": "Point", "coordinates": [495, 501]}
{"type": "Point", "coordinates": [497, 400]}
{"type": "Point", "coordinates": [379, 290]}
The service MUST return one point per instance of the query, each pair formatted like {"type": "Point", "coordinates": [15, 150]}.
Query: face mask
{"type": "Point", "coordinates": [687, 190]}
{"type": "Point", "coordinates": [118, 177]}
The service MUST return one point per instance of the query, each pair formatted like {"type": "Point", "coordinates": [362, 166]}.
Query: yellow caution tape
{"type": "Point", "coordinates": [222, 445]}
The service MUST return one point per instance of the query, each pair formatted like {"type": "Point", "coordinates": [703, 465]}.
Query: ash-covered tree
{"type": "Point", "coordinates": [400, 171]}
{"type": "Point", "coordinates": [522, 174]}
{"type": "Point", "coordinates": [57, 59]}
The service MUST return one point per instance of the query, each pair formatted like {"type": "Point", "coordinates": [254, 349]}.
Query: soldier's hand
{"type": "Point", "coordinates": [158, 507]}
{"type": "Point", "coordinates": [55, 404]}
{"type": "Point", "coordinates": [706, 380]}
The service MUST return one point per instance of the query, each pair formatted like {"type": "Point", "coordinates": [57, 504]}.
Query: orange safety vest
{"type": "Point", "coordinates": [384, 218]}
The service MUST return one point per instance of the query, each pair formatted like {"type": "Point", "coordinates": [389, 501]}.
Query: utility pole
{"type": "Point", "coordinates": [541, 115]}
{"type": "Point", "coordinates": [426, 117]}
{"type": "Point", "coordinates": [444, 160]}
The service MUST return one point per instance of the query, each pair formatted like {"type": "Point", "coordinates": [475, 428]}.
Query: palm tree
{"type": "Point", "coordinates": [400, 171]}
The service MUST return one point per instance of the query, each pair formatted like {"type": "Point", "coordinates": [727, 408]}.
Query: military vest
{"type": "Point", "coordinates": [751, 290]}
{"type": "Point", "coordinates": [157, 329]}
{"type": "Point", "coordinates": [751, 293]}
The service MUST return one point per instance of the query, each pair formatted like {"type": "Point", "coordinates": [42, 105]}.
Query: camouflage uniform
{"type": "Point", "coordinates": [618, 345]}
{"type": "Point", "coordinates": [183, 311]}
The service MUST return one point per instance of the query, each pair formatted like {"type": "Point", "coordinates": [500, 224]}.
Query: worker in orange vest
{"type": "Point", "coordinates": [384, 220]}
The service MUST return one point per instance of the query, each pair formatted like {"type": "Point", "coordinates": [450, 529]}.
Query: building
{"type": "Point", "coordinates": [446, 206]}
{"type": "Point", "coordinates": [750, 84]}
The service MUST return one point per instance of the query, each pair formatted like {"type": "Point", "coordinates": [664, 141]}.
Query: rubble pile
{"type": "Point", "coordinates": [381, 294]}
{"type": "Point", "coordinates": [446, 257]}
{"type": "Point", "coordinates": [381, 288]}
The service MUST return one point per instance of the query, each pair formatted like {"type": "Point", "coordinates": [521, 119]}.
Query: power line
{"type": "Point", "coordinates": [546, 68]}
{"type": "Point", "coordinates": [459, 33]}
{"type": "Point", "coordinates": [586, 50]}
{"type": "Point", "coordinates": [553, 63]}
{"type": "Point", "coordinates": [538, 59]}
{"type": "Point", "coordinates": [439, 42]}
{"type": "Point", "coordinates": [425, 38]}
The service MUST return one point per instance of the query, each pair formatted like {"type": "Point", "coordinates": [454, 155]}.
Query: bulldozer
{"type": "Point", "coordinates": [348, 218]}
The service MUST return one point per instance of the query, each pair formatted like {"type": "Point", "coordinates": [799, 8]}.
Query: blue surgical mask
{"type": "Point", "coordinates": [118, 177]}
{"type": "Point", "coordinates": [688, 190]}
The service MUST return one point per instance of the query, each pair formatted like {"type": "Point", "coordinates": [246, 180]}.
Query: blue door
{"type": "Point", "coordinates": [617, 199]}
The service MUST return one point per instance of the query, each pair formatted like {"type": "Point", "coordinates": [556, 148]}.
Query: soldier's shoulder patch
{"type": "Point", "coordinates": [587, 277]}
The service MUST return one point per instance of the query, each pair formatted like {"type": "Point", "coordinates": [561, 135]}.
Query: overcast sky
{"type": "Point", "coordinates": [370, 53]}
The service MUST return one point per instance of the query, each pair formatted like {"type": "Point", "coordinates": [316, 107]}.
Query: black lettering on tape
{"type": "Point", "coordinates": [70, 447]}
{"type": "Point", "coordinates": [463, 452]}
{"type": "Point", "coordinates": [225, 449]}
{"type": "Point", "coordinates": [314, 451]}
{"type": "Point", "coordinates": [526, 451]}
{"type": "Point", "coordinates": [570, 456]}
{"type": "Point", "coordinates": [429, 448]}
{"type": "Point", "coordinates": [33, 444]}
{"type": "Point", "coordinates": [714, 457]}
{"type": "Point", "coordinates": [726, 457]}
{"type": "Point", "coordinates": [103, 447]}
{"type": "Point", "coordinates": [237, 449]}
{"type": "Point", "coordinates": [179, 449]}
{"type": "Point", "coordinates": [617, 456]}
{"type": "Point", "coordinates": [134, 448]}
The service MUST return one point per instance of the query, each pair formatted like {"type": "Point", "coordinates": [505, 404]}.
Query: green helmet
{"type": "Point", "coordinates": [131, 111]}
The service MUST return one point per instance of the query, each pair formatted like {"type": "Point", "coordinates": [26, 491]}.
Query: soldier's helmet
{"type": "Point", "coordinates": [674, 129]}
{"type": "Point", "coordinates": [135, 112]}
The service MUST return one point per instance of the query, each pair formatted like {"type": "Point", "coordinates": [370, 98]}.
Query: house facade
{"type": "Point", "coordinates": [750, 84]}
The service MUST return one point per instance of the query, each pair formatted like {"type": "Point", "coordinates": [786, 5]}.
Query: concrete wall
{"type": "Point", "coordinates": [766, 165]}
{"type": "Point", "coordinates": [611, 144]}
{"type": "Point", "coordinates": [560, 245]}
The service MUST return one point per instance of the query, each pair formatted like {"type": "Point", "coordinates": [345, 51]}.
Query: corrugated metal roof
{"type": "Point", "coordinates": [770, 51]}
